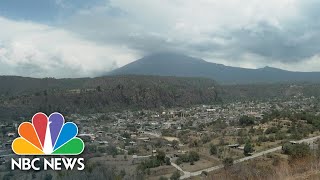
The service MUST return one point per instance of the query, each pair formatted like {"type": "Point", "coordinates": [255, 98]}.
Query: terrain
{"type": "Point", "coordinates": [20, 96]}
{"type": "Point", "coordinates": [156, 127]}
{"type": "Point", "coordinates": [173, 64]}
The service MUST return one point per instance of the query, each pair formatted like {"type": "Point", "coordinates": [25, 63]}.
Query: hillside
{"type": "Point", "coordinates": [172, 64]}
{"type": "Point", "coordinates": [22, 96]}
{"type": "Point", "coordinates": [248, 92]}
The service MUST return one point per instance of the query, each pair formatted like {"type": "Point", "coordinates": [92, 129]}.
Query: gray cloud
{"type": "Point", "coordinates": [96, 38]}
{"type": "Point", "coordinates": [288, 35]}
{"type": "Point", "coordinates": [37, 50]}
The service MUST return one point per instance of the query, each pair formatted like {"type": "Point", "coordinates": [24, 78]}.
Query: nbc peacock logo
{"type": "Point", "coordinates": [48, 136]}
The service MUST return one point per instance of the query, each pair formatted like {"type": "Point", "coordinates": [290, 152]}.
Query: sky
{"type": "Point", "coordinates": [81, 38]}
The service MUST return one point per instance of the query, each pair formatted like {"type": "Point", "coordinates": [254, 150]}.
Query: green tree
{"type": "Point", "coordinates": [204, 173]}
{"type": "Point", "coordinates": [161, 156]}
{"type": "Point", "coordinates": [287, 148]}
{"type": "Point", "coordinates": [246, 120]}
{"type": "Point", "coordinates": [48, 177]}
{"type": "Point", "coordinates": [296, 150]}
{"type": "Point", "coordinates": [213, 149]}
{"type": "Point", "coordinates": [193, 156]}
{"type": "Point", "coordinates": [98, 88]}
{"type": "Point", "coordinates": [271, 130]}
{"type": "Point", "coordinates": [112, 150]}
{"type": "Point", "coordinates": [167, 161]}
{"type": "Point", "coordinates": [205, 139]}
{"type": "Point", "coordinates": [163, 178]}
{"type": "Point", "coordinates": [247, 149]}
{"type": "Point", "coordinates": [175, 176]}
{"type": "Point", "coordinates": [227, 162]}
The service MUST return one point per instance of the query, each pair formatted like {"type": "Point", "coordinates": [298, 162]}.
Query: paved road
{"type": "Point", "coordinates": [197, 173]}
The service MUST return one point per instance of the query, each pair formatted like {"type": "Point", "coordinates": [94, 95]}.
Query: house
{"type": "Point", "coordinates": [293, 142]}
{"type": "Point", "coordinates": [233, 145]}
{"type": "Point", "coordinates": [103, 142]}
{"type": "Point", "coordinates": [133, 135]}
{"type": "Point", "coordinates": [182, 152]}
{"type": "Point", "coordinates": [132, 143]}
{"type": "Point", "coordinates": [211, 110]}
{"type": "Point", "coordinates": [87, 137]}
{"type": "Point", "coordinates": [100, 132]}
{"type": "Point", "coordinates": [145, 139]}
{"type": "Point", "coordinates": [11, 134]}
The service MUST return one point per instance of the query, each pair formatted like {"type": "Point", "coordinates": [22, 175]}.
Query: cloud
{"type": "Point", "coordinates": [284, 31]}
{"type": "Point", "coordinates": [37, 50]}
{"type": "Point", "coordinates": [87, 39]}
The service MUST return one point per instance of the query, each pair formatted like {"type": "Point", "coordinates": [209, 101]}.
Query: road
{"type": "Point", "coordinates": [187, 174]}
{"type": "Point", "coordinates": [140, 157]}
{"type": "Point", "coordinates": [152, 134]}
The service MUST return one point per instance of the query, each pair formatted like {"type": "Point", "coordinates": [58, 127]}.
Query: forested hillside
{"type": "Point", "coordinates": [22, 96]}
{"type": "Point", "coordinates": [268, 91]}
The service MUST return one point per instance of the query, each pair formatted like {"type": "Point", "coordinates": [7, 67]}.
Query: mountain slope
{"type": "Point", "coordinates": [20, 96]}
{"type": "Point", "coordinates": [172, 64]}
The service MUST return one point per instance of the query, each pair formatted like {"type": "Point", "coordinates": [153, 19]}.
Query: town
{"type": "Point", "coordinates": [184, 142]}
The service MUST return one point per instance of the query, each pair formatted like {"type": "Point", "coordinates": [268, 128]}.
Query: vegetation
{"type": "Point", "coordinates": [246, 120]}
{"type": "Point", "coordinates": [26, 95]}
{"type": "Point", "coordinates": [248, 149]}
{"type": "Point", "coordinates": [191, 157]}
{"type": "Point", "coordinates": [227, 162]}
{"type": "Point", "coordinates": [175, 176]}
{"type": "Point", "coordinates": [267, 91]}
{"type": "Point", "coordinates": [213, 149]}
{"type": "Point", "coordinates": [112, 150]}
{"type": "Point", "coordinates": [296, 151]}
{"type": "Point", "coordinates": [154, 161]}
{"type": "Point", "coordinates": [271, 130]}
{"type": "Point", "coordinates": [163, 178]}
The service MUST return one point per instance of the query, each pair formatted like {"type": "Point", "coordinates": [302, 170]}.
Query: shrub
{"type": "Point", "coordinates": [227, 162]}
{"type": "Point", "coordinates": [296, 150]}
{"type": "Point", "coordinates": [213, 149]}
{"type": "Point", "coordinates": [191, 157]}
{"type": "Point", "coordinates": [247, 149]}
{"type": "Point", "coordinates": [271, 130]}
{"type": "Point", "coordinates": [167, 161]}
{"type": "Point", "coordinates": [175, 176]}
{"type": "Point", "coordinates": [246, 120]}
{"type": "Point", "coordinates": [163, 178]}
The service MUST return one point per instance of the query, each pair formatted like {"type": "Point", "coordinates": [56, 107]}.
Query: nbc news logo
{"type": "Point", "coordinates": [47, 136]}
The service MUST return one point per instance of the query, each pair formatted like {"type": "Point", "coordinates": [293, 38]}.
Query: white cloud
{"type": "Point", "coordinates": [311, 64]}
{"type": "Point", "coordinates": [204, 28]}
{"type": "Point", "coordinates": [189, 17]}
{"type": "Point", "coordinates": [37, 50]}
{"type": "Point", "coordinates": [251, 33]}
